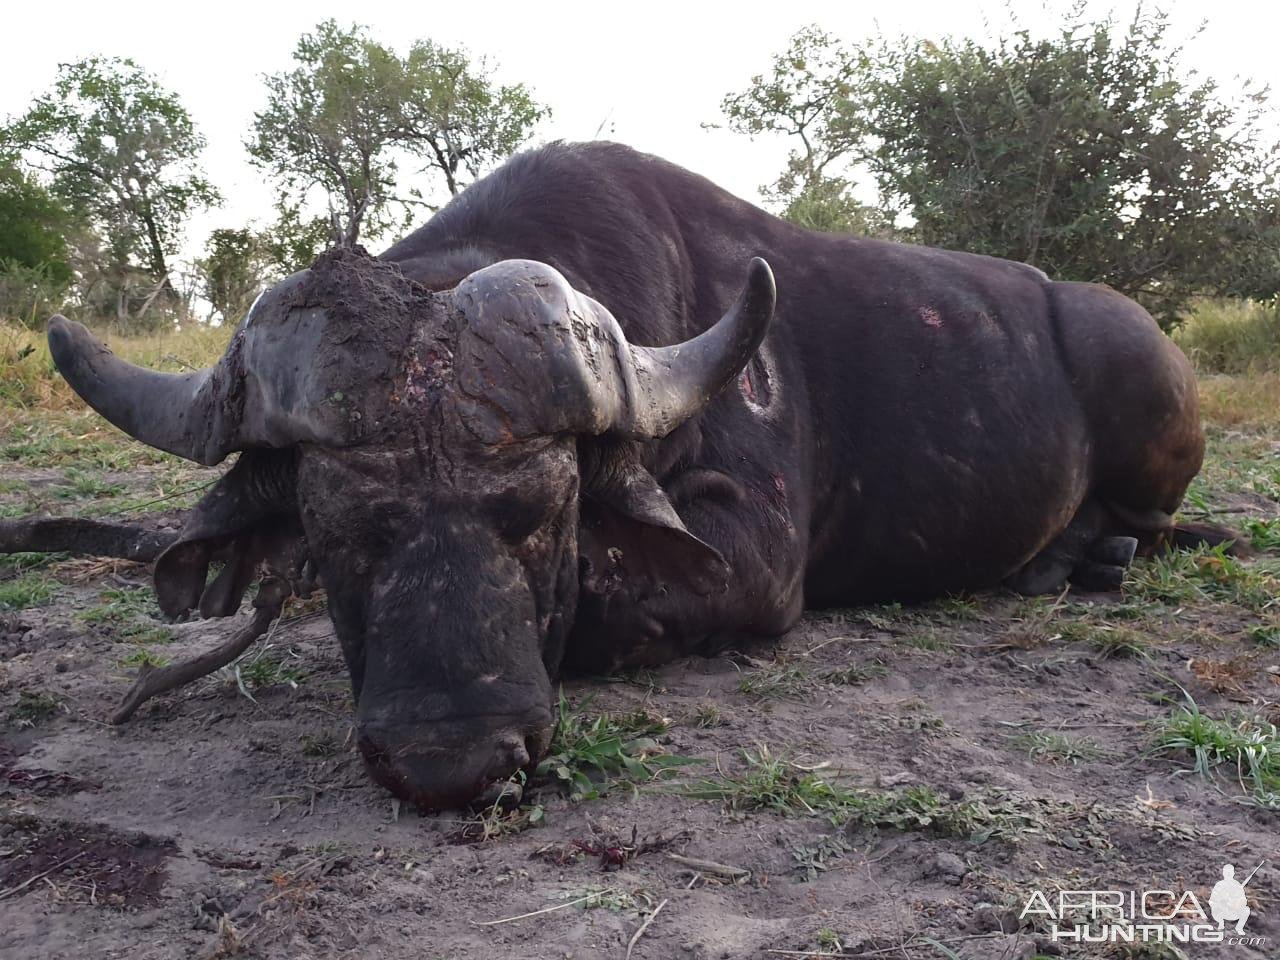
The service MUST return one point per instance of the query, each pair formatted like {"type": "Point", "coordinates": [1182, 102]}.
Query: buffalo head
{"type": "Point", "coordinates": [432, 451]}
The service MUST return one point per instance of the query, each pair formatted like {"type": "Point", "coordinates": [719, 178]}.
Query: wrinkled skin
{"type": "Point", "coordinates": [494, 489]}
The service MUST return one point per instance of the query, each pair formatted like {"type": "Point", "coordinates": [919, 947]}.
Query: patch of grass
{"type": "Point", "coordinates": [501, 819]}
{"type": "Point", "coordinates": [28, 378]}
{"type": "Point", "coordinates": [19, 562]}
{"type": "Point", "coordinates": [783, 681]}
{"type": "Point", "coordinates": [1120, 642]}
{"type": "Point", "coordinates": [29, 590]}
{"type": "Point", "coordinates": [1247, 745]}
{"type": "Point", "coordinates": [957, 607]}
{"type": "Point", "coordinates": [588, 754]}
{"type": "Point", "coordinates": [33, 707]}
{"type": "Point", "coordinates": [267, 672]}
{"type": "Point", "coordinates": [828, 942]}
{"type": "Point", "coordinates": [146, 635]}
{"type": "Point", "coordinates": [776, 682]}
{"type": "Point", "coordinates": [853, 675]}
{"type": "Point", "coordinates": [774, 784]}
{"type": "Point", "coordinates": [82, 484]}
{"type": "Point", "coordinates": [928, 639]}
{"type": "Point", "coordinates": [1238, 462]}
{"type": "Point", "coordinates": [1264, 634]}
{"type": "Point", "coordinates": [122, 606]}
{"type": "Point", "coordinates": [1057, 747]}
{"type": "Point", "coordinates": [142, 657]}
{"type": "Point", "coordinates": [884, 617]}
{"type": "Point", "coordinates": [268, 667]}
{"type": "Point", "coordinates": [707, 716]}
{"type": "Point", "coordinates": [1263, 534]}
{"type": "Point", "coordinates": [1206, 573]}
{"type": "Point", "coordinates": [1232, 336]}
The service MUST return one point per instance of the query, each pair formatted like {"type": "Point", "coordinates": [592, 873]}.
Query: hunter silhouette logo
{"type": "Point", "coordinates": [1147, 916]}
{"type": "Point", "coordinates": [1227, 902]}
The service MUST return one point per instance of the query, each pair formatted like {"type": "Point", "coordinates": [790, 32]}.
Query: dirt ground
{"type": "Point", "coordinates": [991, 747]}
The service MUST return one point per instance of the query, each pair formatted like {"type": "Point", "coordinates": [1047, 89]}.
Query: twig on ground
{"type": "Point", "coordinates": [40, 876]}
{"type": "Point", "coordinates": [156, 680]}
{"type": "Point", "coordinates": [725, 870]}
{"type": "Point", "coordinates": [635, 937]}
{"type": "Point", "coordinates": [535, 913]}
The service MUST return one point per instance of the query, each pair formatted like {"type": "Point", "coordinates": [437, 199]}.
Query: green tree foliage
{"type": "Point", "coordinates": [294, 241]}
{"type": "Point", "coordinates": [239, 264]}
{"type": "Point", "coordinates": [232, 272]}
{"type": "Point", "coordinates": [31, 224]}
{"type": "Point", "coordinates": [1091, 154]}
{"type": "Point", "coordinates": [352, 111]}
{"type": "Point", "coordinates": [119, 152]}
{"type": "Point", "coordinates": [807, 95]}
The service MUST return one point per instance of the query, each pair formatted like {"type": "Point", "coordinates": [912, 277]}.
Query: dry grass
{"type": "Point", "coordinates": [1232, 336]}
{"type": "Point", "coordinates": [1241, 401]}
{"type": "Point", "coordinates": [29, 381]}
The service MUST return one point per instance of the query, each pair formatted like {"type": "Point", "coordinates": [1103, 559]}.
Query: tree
{"type": "Point", "coordinates": [1090, 154]}
{"type": "Point", "coordinates": [233, 272]}
{"type": "Point", "coordinates": [120, 153]}
{"type": "Point", "coordinates": [31, 224]}
{"type": "Point", "coordinates": [239, 263]}
{"type": "Point", "coordinates": [352, 112]}
{"type": "Point", "coordinates": [294, 241]}
{"type": "Point", "coordinates": [807, 96]}
{"type": "Point", "coordinates": [34, 269]}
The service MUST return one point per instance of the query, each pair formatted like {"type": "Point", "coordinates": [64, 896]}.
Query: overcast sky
{"type": "Point", "coordinates": [647, 74]}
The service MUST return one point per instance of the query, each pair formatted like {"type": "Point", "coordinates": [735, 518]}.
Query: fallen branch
{"type": "Point", "coordinates": [643, 927]}
{"type": "Point", "coordinates": [725, 870]}
{"type": "Point", "coordinates": [95, 538]}
{"type": "Point", "coordinates": [40, 876]}
{"type": "Point", "coordinates": [153, 681]}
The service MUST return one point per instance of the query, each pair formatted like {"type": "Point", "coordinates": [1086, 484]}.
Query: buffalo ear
{"type": "Point", "coordinates": [242, 520]}
{"type": "Point", "coordinates": [629, 530]}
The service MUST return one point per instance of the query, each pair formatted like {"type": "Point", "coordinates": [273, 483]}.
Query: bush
{"type": "Point", "coordinates": [1232, 336]}
{"type": "Point", "coordinates": [30, 294]}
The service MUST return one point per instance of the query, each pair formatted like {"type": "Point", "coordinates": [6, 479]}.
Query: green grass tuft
{"type": "Point", "coordinates": [1247, 746]}
{"type": "Point", "coordinates": [589, 753]}
{"type": "Point", "coordinates": [33, 707]}
{"type": "Point", "coordinates": [29, 590]}
{"type": "Point", "coordinates": [1057, 747]}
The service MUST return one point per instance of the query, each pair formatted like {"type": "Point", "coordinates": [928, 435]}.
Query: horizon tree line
{"type": "Point", "coordinates": [1092, 153]}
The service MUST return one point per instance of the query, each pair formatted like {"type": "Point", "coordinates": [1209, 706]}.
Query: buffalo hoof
{"type": "Point", "coordinates": [1098, 577]}
{"type": "Point", "coordinates": [1113, 551]}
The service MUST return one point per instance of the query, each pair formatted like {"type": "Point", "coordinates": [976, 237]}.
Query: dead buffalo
{"type": "Point", "coordinates": [554, 429]}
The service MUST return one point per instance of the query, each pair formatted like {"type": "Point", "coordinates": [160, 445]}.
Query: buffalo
{"type": "Point", "coordinates": [568, 424]}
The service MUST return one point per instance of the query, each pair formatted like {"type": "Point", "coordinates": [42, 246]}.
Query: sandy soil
{"type": "Point", "coordinates": [214, 824]}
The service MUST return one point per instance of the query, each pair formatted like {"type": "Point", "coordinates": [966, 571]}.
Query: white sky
{"type": "Point", "coordinates": [648, 74]}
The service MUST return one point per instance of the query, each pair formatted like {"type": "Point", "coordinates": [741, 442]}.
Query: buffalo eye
{"type": "Point", "coordinates": [520, 513]}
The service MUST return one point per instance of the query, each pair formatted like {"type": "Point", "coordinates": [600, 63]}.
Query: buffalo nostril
{"type": "Point", "coordinates": [518, 752]}
{"type": "Point", "coordinates": [509, 755]}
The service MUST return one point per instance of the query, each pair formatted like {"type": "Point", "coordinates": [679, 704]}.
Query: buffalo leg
{"type": "Point", "coordinates": [1050, 569]}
